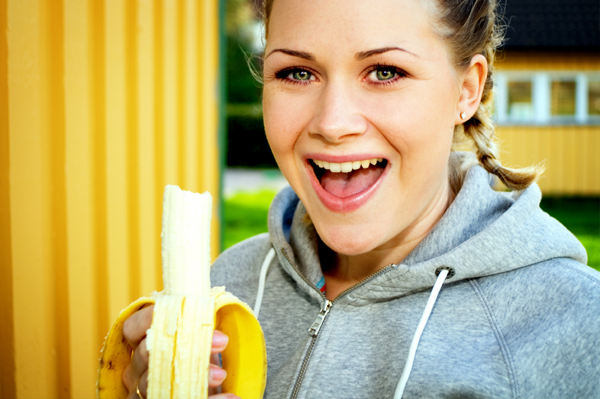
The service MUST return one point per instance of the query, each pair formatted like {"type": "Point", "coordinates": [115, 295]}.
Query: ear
{"type": "Point", "coordinates": [471, 88]}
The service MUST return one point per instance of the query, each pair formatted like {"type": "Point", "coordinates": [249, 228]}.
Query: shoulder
{"type": "Point", "coordinates": [554, 281]}
{"type": "Point", "coordinates": [547, 317]}
{"type": "Point", "coordinates": [558, 291]}
{"type": "Point", "coordinates": [557, 296]}
{"type": "Point", "coordinates": [238, 267]}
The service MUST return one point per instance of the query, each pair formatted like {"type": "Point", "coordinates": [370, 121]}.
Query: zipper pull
{"type": "Point", "coordinates": [316, 325]}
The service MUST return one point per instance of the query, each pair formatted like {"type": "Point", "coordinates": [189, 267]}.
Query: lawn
{"type": "Point", "coordinates": [246, 215]}
{"type": "Point", "coordinates": [582, 217]}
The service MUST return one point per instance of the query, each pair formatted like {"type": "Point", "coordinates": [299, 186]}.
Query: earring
{"type": "Point", "coordinates": [463, 115]}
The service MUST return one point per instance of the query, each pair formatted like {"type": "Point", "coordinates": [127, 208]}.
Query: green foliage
{"type": "Point", "coordinates": [246, 216]}
{"type": "Point", "coordinates": [247, 145]}
{"type": "Point", "coordinates": [241, 85]}
{"type": "Point", "coordinates": [246, 142]}
{"type": "Point", "coordinates": [239, 13]}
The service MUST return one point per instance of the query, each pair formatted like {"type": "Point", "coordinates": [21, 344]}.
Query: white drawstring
{"type": "Point", "coordinates": [412, 351]}
{"type": "Point", "coordinates": [261, 281]}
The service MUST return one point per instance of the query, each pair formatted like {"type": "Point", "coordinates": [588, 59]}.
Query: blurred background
{"type": "Point", "coordinates": [103, 102]}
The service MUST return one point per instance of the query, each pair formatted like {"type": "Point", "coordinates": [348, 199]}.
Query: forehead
{"type": "Point", "coordinates": [334, 25]}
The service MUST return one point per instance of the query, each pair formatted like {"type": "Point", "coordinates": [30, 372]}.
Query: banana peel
{"type": "Point", "coordinates": [244, 359]}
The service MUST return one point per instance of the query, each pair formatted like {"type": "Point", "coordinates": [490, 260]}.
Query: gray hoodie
{"type": "Point", "coordinates": [519, 317]}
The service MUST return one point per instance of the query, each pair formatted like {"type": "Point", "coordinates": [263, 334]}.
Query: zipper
{"type": "Point", "coordinates": [314, 332]}
{"type": "Point", "coordinates": [316, 326]}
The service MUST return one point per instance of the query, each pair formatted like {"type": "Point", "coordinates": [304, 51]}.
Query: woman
{"type": "Point", "coordinates": [363, 103]}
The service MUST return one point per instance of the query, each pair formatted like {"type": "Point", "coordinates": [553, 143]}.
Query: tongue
{"type": "Point", "coordinates": [343, 185]}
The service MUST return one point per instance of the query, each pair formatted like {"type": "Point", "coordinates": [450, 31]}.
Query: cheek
{"type": "Point", "coordinates": [283, 129]}
{"type": "Point", "coordinates": [419, 121]}
{"type": "Point", "coordinates": [286, 118]}
{"type": "Point", "coordinates": [276, 128]}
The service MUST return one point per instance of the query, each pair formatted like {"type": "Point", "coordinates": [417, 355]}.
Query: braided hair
{"type": "Point", "coordinates": [472, 27]}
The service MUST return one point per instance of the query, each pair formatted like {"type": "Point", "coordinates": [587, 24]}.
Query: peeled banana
{"type": "Point", "coordinates": [185, 315]}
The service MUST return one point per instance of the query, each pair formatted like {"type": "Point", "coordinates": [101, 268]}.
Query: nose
{"type": "Point", "coordinates": [337, 115]}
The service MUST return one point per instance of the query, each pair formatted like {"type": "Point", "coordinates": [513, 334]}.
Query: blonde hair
{"type": "Point", "coordinates": [470, 27]}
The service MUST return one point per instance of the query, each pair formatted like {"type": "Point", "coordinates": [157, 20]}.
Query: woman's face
{"type": "Point", "coordinates": [360, 102]}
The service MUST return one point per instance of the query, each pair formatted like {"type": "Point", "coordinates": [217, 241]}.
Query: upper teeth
{"type": "Point", "coordinates": [346, 167]}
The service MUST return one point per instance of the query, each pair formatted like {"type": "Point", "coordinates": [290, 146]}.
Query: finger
{"type": "Point", "coordinates": [224, 396]}
{"type": "Point", "coordinates": [219, 342]}
{"type": "Point", "coordinates": [143, 385]}
{"type": "Point", "coordinates": [216, 375]}
{"type": "Point", "coordinates": [135, 327]}
{"type": "Point", "coordinates": [215, 359]}
{"type": "Point", "coordinates": [137, 367]}
{"type": "Point", "coordinates": [140, 391]}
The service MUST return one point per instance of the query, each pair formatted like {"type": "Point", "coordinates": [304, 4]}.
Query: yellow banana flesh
{"type": "Point", "coordinates": [184, 318]}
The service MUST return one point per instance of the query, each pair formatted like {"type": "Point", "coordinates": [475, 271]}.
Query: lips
{"type": "Point", "coordinates": [345, 186]}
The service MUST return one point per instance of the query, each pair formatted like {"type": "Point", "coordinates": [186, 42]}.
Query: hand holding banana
{"type": "Point", "coordinates": [136, 373]}
{"type": "Point", "coordinates": [184, 316]}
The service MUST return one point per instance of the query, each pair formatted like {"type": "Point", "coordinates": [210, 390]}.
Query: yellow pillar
{"type": "Point", "coordinates": [102, 103]}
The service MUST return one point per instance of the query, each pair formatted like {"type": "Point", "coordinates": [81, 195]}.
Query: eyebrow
{"type": "Point", "coordinates": [294, 53]}
{"type": "Point", "coordinates": [366, 54]}
{"type": "Point", "coordinates": [359, 56]}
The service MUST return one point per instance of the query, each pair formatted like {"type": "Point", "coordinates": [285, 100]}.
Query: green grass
{"type": "Point", "coordinates": [582, 217]}
{"type": "Point", "coordinates": [246, 215]}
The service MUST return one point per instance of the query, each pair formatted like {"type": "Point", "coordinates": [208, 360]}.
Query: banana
{"type": "Point", "coordinates": [185, 315]}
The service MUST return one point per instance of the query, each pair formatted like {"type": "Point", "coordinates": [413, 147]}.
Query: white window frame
{"type": "Point", "coordinates": [541, 83]}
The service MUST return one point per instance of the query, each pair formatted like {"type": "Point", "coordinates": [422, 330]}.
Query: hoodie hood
{"type": "Point", "coordinates": [483, 232]}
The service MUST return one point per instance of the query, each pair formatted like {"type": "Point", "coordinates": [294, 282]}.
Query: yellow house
{"type": "Point", "coordinates": [540, 105]}
{"type": "Point", "coordinates": [547, 93]}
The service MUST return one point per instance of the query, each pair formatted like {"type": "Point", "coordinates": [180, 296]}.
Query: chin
{"type": "Point", "coordinates": [348, 240]}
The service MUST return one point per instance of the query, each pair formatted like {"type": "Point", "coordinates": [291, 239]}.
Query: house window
{"type": "Point", "coordinates": [546, 98]}
{"type": "Point", "coordinates": [562, 100]}
{"type": "Point", "coordinates": [520, 104]}
{"type": "Point", "coordinates": [594, 98]}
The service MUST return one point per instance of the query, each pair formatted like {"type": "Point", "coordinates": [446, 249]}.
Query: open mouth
{"type": "Point", "coordinates": [345, 179]}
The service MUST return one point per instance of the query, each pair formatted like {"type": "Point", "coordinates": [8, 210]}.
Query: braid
{"type": "Point", "coordinates": [481, 130]}
{"type": "Point", "coordinates": [470, 27]}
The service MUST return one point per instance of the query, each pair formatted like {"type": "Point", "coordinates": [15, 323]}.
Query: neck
{"type": "Point", "coordinates": [343, 271]}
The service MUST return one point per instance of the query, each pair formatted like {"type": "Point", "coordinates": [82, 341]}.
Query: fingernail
{"type": "Point", "coordinates": [220, 339]}
{"type": "Point", "coordinates": [217, 374]}
{"type": "Point", "coordinates": [232, 396]}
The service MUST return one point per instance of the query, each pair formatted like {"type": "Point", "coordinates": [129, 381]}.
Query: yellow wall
{"type": "Point", "coordinates": [102, 103]}
{"type": "Point", "coordinates": [571, 153]}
